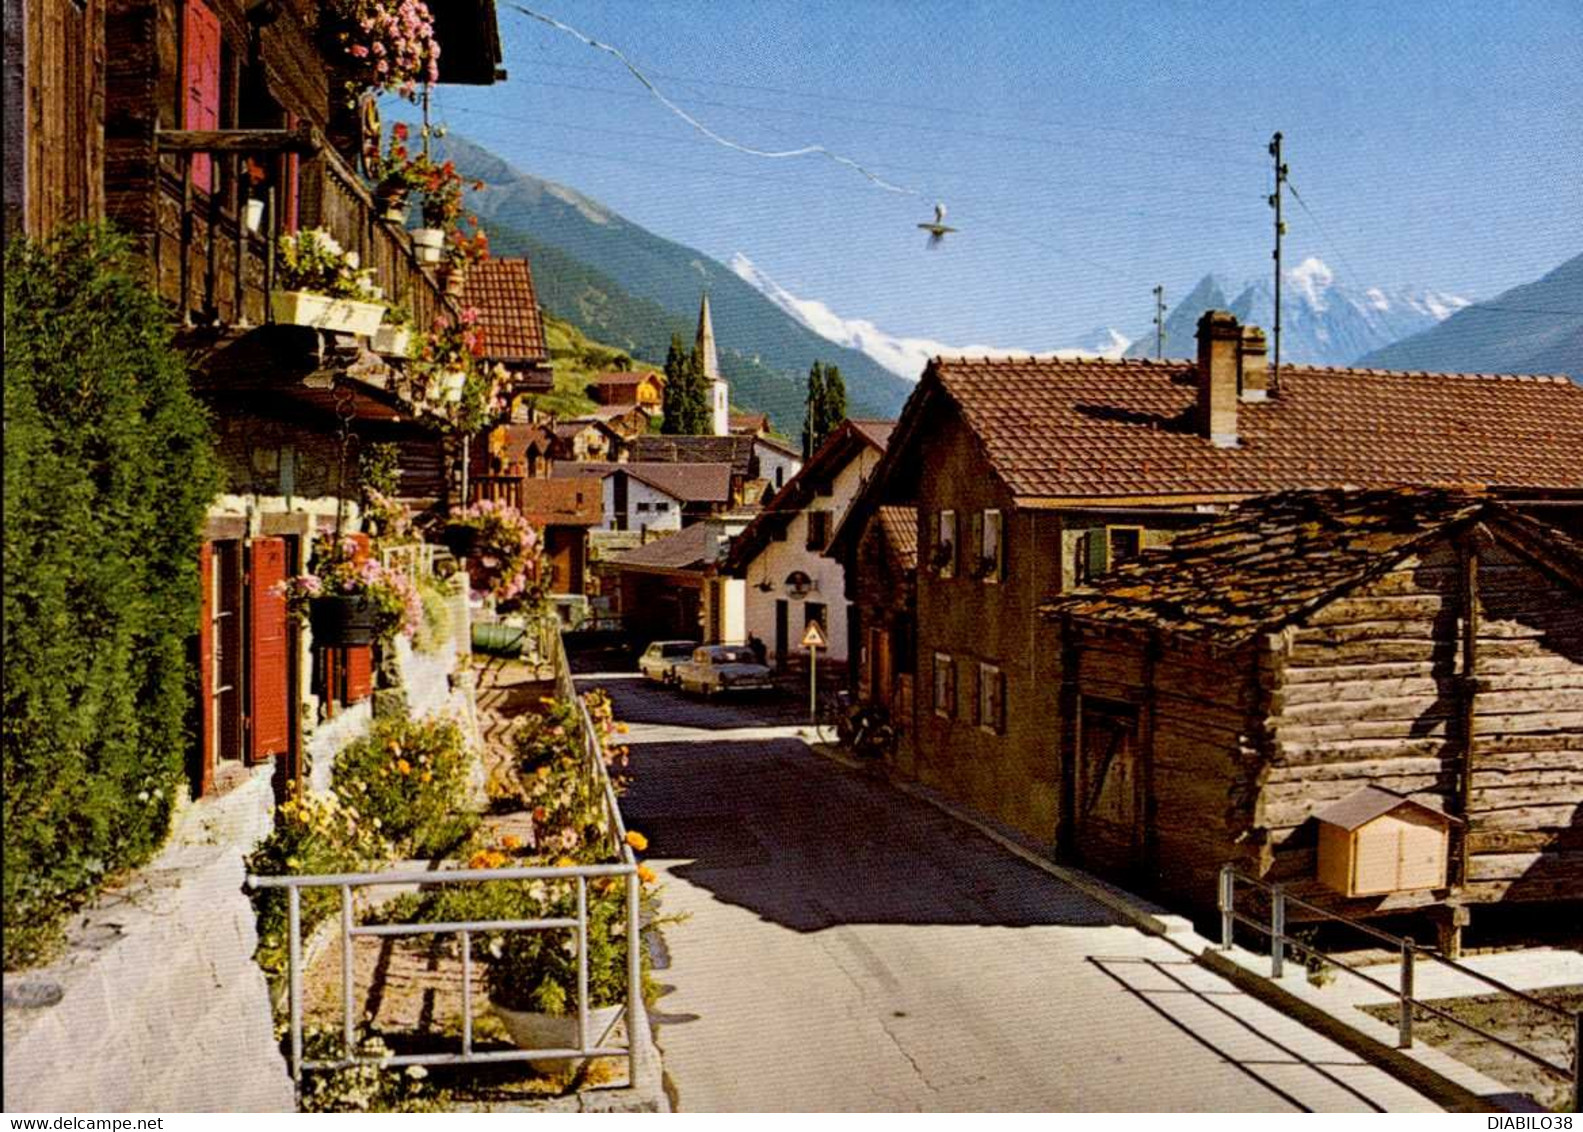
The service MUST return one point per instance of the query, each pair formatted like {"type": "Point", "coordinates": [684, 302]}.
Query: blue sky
{"type": "Point", "coordinates": [1087, 150]}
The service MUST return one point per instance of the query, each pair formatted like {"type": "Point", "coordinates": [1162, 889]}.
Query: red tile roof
{"type": "Point", "coordinates": [563, 502]}
{"type": "Point", "coordinates": [502, 291]}
{"type": "Point", "coordinates": [1090, 428]}
{"type": "Point", "coordinates": [900, 525]}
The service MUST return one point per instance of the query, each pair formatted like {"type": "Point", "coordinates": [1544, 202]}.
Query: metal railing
{"type": "Point", "coordinates": [1409, 952]}
{"type": "Point", "coordinates": [580, 875]}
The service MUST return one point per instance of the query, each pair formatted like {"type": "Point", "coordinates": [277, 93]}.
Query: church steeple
{"type": "Point", "coordinates": [705, 342]}
{"type": "Point", "coordinates": [719, 393]}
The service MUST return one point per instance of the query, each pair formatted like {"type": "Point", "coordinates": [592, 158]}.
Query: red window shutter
{"type": "Point", "coordinates": [267, 653]}
{"type": "Point", "coordinates": [292, 182]}
{"type": "Point", "coordinates": [200, 70]}
{"type": "Point", "coordinates": [359, 673]}
{"type": "Point", "coordinates": [206, 720]}
{"type": "Point", "coordinates": [360, 658]}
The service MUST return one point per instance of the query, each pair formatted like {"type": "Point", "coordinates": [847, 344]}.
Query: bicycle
{"type": "Point", "coordinates": [865, 729]}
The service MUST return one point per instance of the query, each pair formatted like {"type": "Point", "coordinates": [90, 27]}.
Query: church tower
{"type": "Point", "coordinates": [719, 393]}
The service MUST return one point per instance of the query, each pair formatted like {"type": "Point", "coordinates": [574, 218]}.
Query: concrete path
{"type": "Point", "coordinates": [850, 948]}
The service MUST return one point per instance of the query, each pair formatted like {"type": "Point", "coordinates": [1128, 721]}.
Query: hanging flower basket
{"type": "Point", "coordinates": [429, 243]}
{"type": "Point", "coordinates": [454, 279]}
{"type": "Point", "coordinates": [461, 541]}
{"type": "Point", "coordinates": [393, 341]}
{"type": "Point", "coordinates": [339, 621]}
{"type": "Point", "coordinates": [322, 312]}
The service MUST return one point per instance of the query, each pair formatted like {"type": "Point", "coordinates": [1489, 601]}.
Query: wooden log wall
{"type": "Point", "coordinates": [55, 106]}
{"type": "Point", "coordinates": [1371, 690]}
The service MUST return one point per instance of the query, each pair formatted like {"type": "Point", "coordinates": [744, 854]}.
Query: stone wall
{"type": "Point", "coordinates": [157, 1004]}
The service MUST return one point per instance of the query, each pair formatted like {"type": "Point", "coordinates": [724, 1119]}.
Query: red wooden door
{"type": "Point", "coordinates": [200, 50]}
{"type": "Point", "coordinates": [206, 673]}
{"type": "Point", "coordinates": [360, 658]}
{"type": "Point", "coordinates": [270, 706]}
{"type": "Point", "coordinates": [291, 183]}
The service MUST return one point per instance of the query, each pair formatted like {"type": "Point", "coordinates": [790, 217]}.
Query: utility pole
{"type": "Point", "coordinates": [1159, 320]}
{"type": "Point", "coordinates": [1280, 230]}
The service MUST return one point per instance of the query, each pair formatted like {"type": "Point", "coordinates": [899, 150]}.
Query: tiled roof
{"type": "Point", "coordinates": [687, 483]}
{"type": "Point", "coordinates": [900, 525]}
{"type": "Point", "coordinates": [622, 378]}
{"type": "Point", "coordinates": [563, 502]}
{"type": "Point", "coordinates": [736, 451]}
{"type": "Point", "coordinates": [502, 291]}
{"type": "Point", "coordinates": [877, 432]}
{"type": "Point", "coordinates": [1089, 428]}
{"type": "Point", "coordinates": [687, 549]}
{"type": "Point", "coordinates": [1277, 557]}
{"type": "Point", "coordinates": [749, 422]}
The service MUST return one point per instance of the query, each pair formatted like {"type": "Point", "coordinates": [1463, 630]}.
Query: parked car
{"type": "Point", "coordinates": [660, 659]}
{"type": "Point", "coordinates": [722, 668]}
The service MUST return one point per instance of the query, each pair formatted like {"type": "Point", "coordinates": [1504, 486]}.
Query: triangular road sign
{"type": "Point", "coordinates": [813, 636]}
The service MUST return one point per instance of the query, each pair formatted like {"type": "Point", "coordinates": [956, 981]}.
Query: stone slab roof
{"type": "Point", "coordinates": [563, 502]}
{"type": "Point", "coordinates": [1279, 557]}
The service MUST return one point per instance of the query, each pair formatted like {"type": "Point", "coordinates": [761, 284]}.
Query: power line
{"type": "Point", "coordinates": [917, 107]}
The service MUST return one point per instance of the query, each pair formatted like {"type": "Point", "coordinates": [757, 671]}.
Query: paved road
{"type": "Point", "coordinates": [850, 948]}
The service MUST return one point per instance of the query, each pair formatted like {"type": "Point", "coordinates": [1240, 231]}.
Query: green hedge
{"type": "Point", "coordinates": [108, 470]}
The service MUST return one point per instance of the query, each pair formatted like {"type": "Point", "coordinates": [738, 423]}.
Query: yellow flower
{"type": "Point", "coordinates": [637, 840]}
{"type": "Point", "coordinates": [511, 841]}
{"type": "Point", "coordinates": [621, 728]}
{"type": "Point", "coordinates": [543, 772]}
{"type": "Point", "coordinates": [646, 874]}
{"type": "Point", "coordinates": [426, 776]}
{"type": "Point", "coordinates": [564, 862]}
{"type": "Point", "coordinates": [403, 766]}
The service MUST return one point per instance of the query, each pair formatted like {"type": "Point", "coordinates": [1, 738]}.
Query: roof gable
{"type": "Point", "coordinates": [1364, 805]}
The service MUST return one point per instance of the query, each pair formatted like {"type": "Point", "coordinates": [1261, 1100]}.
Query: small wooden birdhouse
{"type": "Point", "coordinates": [1374, 842]}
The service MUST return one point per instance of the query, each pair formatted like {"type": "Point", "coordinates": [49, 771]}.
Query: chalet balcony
{"type": "Point", "coordinates": [219, 273]}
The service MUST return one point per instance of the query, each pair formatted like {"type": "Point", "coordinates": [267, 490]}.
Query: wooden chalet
{"type": "Point", "coordinates": [637, 389]}
{"type": "Point", "coordinates": [1373, 697]}
{"type": "Point", "coordinates": [167, 117]}
{"type": "Point", "coordinates": [1033, 477]}
{"type": "Point", "coordinates": [564, 511]}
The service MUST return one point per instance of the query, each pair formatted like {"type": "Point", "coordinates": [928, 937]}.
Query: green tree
{"type": "Point", "coordinates": [109, 469]}
{"type": "Point", "coordinates": [834, 400]}
{"type": "Point", "coordinates": [675, 394]}
{"type": "Point", "coordinates": [813, 411]}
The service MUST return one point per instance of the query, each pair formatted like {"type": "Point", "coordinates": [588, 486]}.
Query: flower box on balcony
{"type": "Point", "coordinates": [393, 341]}
{"type": "Point", "coordinates": [429, 243]}
{"type": "Point", "coordinates": [308, 308]}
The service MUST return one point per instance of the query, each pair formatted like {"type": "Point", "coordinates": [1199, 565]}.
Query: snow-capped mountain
{"type": "Point", "coordinates": [1323, 322]}
{"type": "Point", "coordinates": [904, 356]}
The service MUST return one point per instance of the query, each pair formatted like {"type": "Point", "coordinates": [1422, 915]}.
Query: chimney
{"type": "Point", "coordinates": [1253, 365]}
{"type": "Point", "coordinates": [1219, 339]}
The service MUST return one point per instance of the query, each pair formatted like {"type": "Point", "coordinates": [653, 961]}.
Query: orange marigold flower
{"type": "Point", "coordinates": [403, 766]}
{"type": "Point", "coordinates": [646, 874]}
{"type": "Point", "coordinates": [637, 840]}
{"type": "Point", "coordinates": [511, 841]}
{"type": "Point", "coordinates": [564, 862]}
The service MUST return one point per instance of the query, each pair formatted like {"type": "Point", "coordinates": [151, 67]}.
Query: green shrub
{"type": "Point", "coordinates": [312, 834]}
{"type": "Point", "coordinates": [410, 778]}
{"type": "Point", "coordinates": [108, 471]}
{"type": "Point", "coordinates": [435, 630]}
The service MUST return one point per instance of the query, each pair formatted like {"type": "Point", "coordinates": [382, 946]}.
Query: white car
{"type": "Point", "coordinates": [660, 659]}
{"type": "Point", "coordinates": [722, 668]}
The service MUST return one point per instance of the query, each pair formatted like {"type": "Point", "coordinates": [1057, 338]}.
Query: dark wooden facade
{"type": "Point", "coordinates": [1451, 671]}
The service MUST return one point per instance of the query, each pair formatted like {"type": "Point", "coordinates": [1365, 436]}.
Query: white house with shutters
{"type": "Point", "coordinates": [777, 573]}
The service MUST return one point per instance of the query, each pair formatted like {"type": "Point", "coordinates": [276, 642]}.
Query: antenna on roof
{"type": "Point", "coordinates": [1280, 230]}
{"type": "Point", "coordinates": [1159, 320]}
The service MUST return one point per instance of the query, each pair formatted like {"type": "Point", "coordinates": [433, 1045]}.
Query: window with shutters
{"type": "Point", "coordinates": [944, 686]}
{"type": "Point", "coordinates": [269, 707]}
{"type": "Point", "coordinates": [944, 558]}
{"type": "Point", "coordinates": [991, 699]}
{"type": "Point", "coordinates": [200, 69]}
{"type": "Point", "coordinates": [818, 530]}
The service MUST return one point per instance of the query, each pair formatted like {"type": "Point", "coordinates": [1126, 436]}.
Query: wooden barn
{"type": "Point", "coordinates": [1373, 697]}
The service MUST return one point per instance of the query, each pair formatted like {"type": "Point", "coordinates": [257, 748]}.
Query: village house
{"type": "Point", "coordinates": [878, 553]}
{"type": "Point", "coordinates": [750, 424]}
{"type": "Point", "coordinates": [1317, 664]}
{"type": "Point", "coordinates": [654, 497]}
{"type": "Point", "coordinates": [639, 389]}
{"type": "Point", "coordinates": [564, 511]}
{"type": "Point", "coordinates": [587, 441]}
{"type": "Point", "coordinates": [659, 588]}
{"type": "Point", "coordinates": [777, 569]}
{"type": "Point", "coordinates": [501, 290]}
{"type": "Point", "coordinates": [1032, 477]}
{"type": "Point", "coordinates": [751, 459]}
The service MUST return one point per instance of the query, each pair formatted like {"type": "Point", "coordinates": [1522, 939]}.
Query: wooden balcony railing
{"type": "Point", "coordinates": [216, 271]}
{"type": "Point", "coordinates": [497, 488]}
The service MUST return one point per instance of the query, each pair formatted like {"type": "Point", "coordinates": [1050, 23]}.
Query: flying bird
{"type": "Point", "coordinates": [939, 228]}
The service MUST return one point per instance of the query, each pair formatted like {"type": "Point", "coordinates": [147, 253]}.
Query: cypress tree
{"type": "Point", "coordinates": [834, 400]}
{"type": "Point", "coordinates": [675, 395]}
{"type": "Point", "coordinates": [813, 411]}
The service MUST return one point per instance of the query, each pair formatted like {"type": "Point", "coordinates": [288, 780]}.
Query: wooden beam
{"type": "Point", "coordinates": [306, 140]}
{"type": "Point", "coordinates": [1469, 687]}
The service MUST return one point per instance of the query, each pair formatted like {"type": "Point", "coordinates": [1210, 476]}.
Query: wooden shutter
{"type": "Point", "coordinates": [1097, 552]}
{"type": "Point", "coordinates": [270, 705]}
{"type": "Point", "coordinates": [359, 659]}
{"type": "Point", "coordinates": [200, 68]}
{"type": "Point", "coordinates": [206, 720]}
{"type": "Point", "coordinates": [291, 183]}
